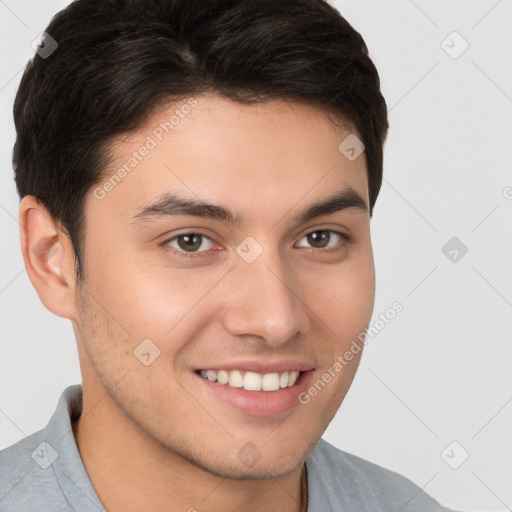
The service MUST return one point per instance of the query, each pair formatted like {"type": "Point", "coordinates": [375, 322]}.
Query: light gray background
{"type": "Point", "coordinates": [441, 370]}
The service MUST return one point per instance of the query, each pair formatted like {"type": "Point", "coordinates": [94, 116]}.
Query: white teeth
{"type": "Point", "coordinates": [252, 381]}
{"type": "Point", "coordinates": [235, 379]}
{"type": "Point", "coordinates": [292, 378]}
{"type": "Point", "coordinates": [270, 382]}
{"type": "Point", "coordinates": [222, 377]}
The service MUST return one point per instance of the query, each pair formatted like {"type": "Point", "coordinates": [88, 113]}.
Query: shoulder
{"type": "Point", "coordinates": [43, 471]}
{"type": "Point", "coordinates": [349, 480]}
{"type": "Point", "coordinates": [27, 479]}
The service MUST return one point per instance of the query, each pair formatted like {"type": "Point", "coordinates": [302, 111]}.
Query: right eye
{"type": "Point", "coordinates": [189, 243]}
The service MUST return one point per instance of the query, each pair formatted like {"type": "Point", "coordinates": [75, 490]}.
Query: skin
{"type": "Point", "coordinates": [149, 437]}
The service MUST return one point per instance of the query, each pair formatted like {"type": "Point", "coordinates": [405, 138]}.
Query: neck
{"type": "Point", "coordinates": [130, 471]}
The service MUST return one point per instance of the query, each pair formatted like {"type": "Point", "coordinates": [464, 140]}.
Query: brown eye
{"type": "Point", "coordinates": [323, 238]}
{"type": "Point", "coordinates": [319, 239]}
{"type": "Point", "coordinates": [190, 242]}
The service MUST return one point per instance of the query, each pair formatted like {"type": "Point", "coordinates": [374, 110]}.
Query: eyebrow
{"type": "Point", "coordinates": [172, 204]}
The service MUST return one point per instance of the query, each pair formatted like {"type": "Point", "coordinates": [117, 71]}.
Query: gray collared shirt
{"type": "Point", "coordinates": [44, 472]}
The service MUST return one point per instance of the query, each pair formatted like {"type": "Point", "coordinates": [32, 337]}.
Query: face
{"type": "Point", "coordinates": [252, 289]}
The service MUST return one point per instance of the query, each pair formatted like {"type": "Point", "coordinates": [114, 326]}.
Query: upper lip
{"type": "Point", "coordinates": [263, 367]}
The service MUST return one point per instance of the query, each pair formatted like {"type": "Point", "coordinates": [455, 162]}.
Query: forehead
{"type": "Point", "coordinates": [254, 157]}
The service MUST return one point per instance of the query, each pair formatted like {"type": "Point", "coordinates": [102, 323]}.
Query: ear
{"type": "Point", "coordinates": [49, 258]}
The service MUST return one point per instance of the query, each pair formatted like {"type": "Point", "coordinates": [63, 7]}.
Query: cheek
{"type": "Point", "coordinates": [156, 301]}
{"type": "Point", "coordinates": [342, 296]}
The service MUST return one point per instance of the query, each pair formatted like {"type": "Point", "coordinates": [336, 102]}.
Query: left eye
{"type": "Point", "coordinates": [191, 242]}
{"type": "Point", "coordinates": [323, 238]}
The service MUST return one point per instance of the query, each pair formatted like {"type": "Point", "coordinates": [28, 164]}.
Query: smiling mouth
{"type": "Point", "coordinates": [252, 381]}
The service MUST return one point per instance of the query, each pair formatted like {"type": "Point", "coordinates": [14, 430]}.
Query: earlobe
{"type": "Point", "coordinates": [47, 254]}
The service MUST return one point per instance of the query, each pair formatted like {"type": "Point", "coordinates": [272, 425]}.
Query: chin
{"type": "Point", "coordinates": [272, 466]}
{"type": "Point", "coordinates": [259, 472]}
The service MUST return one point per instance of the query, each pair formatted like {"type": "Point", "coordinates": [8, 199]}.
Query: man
{"type": "Point", "coordinates": [197, 180]}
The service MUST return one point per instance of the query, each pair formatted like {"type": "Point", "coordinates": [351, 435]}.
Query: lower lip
{"type": "Point", "coordinates": [260, 403]}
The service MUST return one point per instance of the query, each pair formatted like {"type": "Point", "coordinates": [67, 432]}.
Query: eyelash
{"type": "Point", "coordinates": [184, 254]}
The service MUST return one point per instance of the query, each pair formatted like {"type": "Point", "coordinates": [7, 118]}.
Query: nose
{"type": "Point", "coordinates": [261, 301]}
